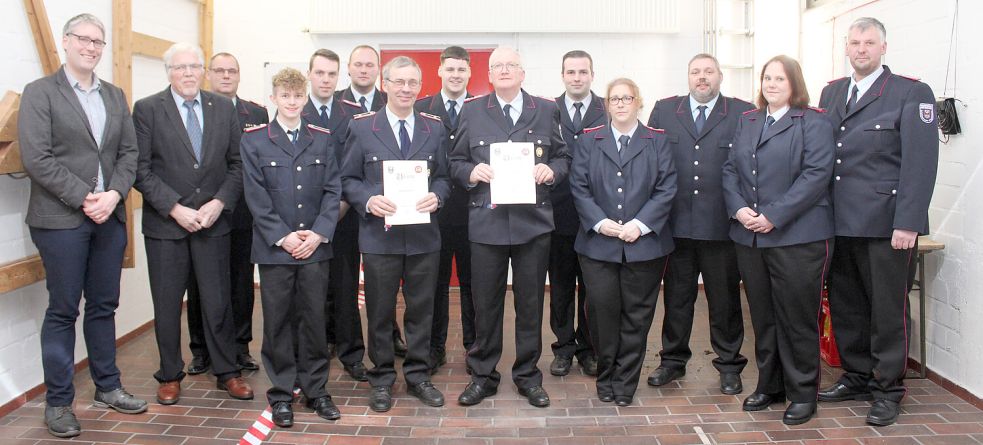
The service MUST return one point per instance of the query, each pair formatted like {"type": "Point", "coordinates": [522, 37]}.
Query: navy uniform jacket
{"type": "Point", "coordinates": [378, 101]}
{"type": "Point", "coordinates": [699, 211]}
{"type": "Point", "coordinates": [167, 171]}
{"type": "Point", "coordinates": [454, 212]}
{"type": "Point", "coordinates": [784, 176]}
{"type": "Point", "coordinates": [290, 188]}
{"type": "Point", "coordinates": [637, 184]}
{"type": "Point", "coordinates": [370, 142]}
{"type": "Point", "coordinates": [250, 115]}
{"type": "Point", "coordinates": [887, 153]}
{"type": "Point", "coordinates": [564, 213]}
{"type": "Point", "coordinates": [481, 123]}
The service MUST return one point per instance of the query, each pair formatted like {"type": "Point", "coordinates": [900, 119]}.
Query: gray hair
{"type": "Point", "coordinates": [865, 23]}
{"type": "Point", "coordinates": [80, 19]}
{"type": "Point", "coordinates": [182, 47]}
{"type": "Point", "coordinates": [400, 62]}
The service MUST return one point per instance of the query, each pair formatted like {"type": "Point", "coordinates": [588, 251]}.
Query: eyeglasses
{"type": "Point", "coordinates": [85, 41]}
{"type": "Point", "coordinates": [499, 67]}
{"type": "Point", "coordinates": [627, 100]}
{"type": "Point", "coordinates": [400, 83]}
{"type": "Point", "coordinates": [224, 71]}
{"type": "Point", "coordinates": [186, 67]}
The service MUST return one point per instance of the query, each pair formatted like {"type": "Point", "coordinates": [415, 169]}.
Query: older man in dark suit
{"type": "Point", "coordinates": [190, 173]}
{"type": "Point", "coordinates": [79, 148]}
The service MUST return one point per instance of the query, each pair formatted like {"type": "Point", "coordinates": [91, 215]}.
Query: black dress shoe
{"type": "Point", "coordinates": [199, 365]}
{"type": "Point", "coordinates": [427, 394]}
{"type": "Point", "coordinates": [324, 408]}
{"type": "Point", "coordinates": [283, 415]}
{"type": "Point", "coordinates": [399, 346]}
{"type": "Point", "coordinates": [622, 400]}
{"type": "Point", "coordinates": [381, 399]}
{"type": "Point", "coordinates": [665, 374]}
{"type": "Point", "coordinates": [536, 395]}
{"type": "Point", "coordinates": [474, 394]}
{"type": "Point", "coordinates": [730, 383]}
{"type": "Point", "coordinates": [798, 413]}
{"type": "Point", "coordinates": [246, 361]}
{"type": "Point", "coordinates": [605, 397]}
{"type": "Point", "coordinates": [590, 365]}
{"type": "Point", "coordinates": [561, 365]}
{"type": "Point", "coordinates": [759, 401]}
{"type": "Point", "coordinates": [357, 371]}
{"type": "Point", "coordinates": [840, 392]}
{"type": "Point", "coordinates": [883, 412]}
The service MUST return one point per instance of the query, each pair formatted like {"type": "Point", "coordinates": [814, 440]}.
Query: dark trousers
{"type": "Point", "coordinates": [243, 297]}
{"type": "Point", "coordinates": [454, 245]}
{"type": "Point", "coordinates": [621, 299]}
{"type": "Point", "coordinates": [784, 288]}
{"type": "Point", "coordinates": [717, 261]}
{"type": "Point", "coordinates": [382, 279]}
{"type": "Point", "coordinates": [491, 262]}
{"type": "Point", "coordinates": [294, 347]}
{"type": "Point", "coordinates": [868, 299]}
{"type": "Point", "coordinates": [84, 260]}
{"type": "Point", "coordinates": [170, 263]}
{"type": "Point", "coordinates": [567, 300]}
{"type": "Point", "coordinates": [343, 323]}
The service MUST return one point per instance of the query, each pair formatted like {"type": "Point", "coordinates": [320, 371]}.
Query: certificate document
{"type": "Point", "coordinates": [404, 183]}
{"type": "Point", "coordinates": [512, 163]}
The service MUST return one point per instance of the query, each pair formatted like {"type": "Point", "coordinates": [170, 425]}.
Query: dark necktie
{"type": "Point", "coordinates": [578, 117]}
{"type": "Point", "coordinates": [361, 100]}
{"type": "Point", "coordinates": [452, 112]}
{"type": "Point", "coordinates": [853, 99]}
{"type": "Point", "coordinates": [193, 127]}
{"type": "Point", "coordinates": [508, 117]}
{"type": "Point", "coordinates": [770, 120]}
{"type": "Point", "coordinates": [624, 145]}
{"type": "Point", "coordinates": [404, 139]}
{"type": "Point", "coordinates": [324, 115]}
{"type": "Point", "coordinates": [293, 136]}
{"type": "Point", "coordinates": [701, 118]}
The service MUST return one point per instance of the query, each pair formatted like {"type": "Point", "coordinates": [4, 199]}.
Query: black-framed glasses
{"type": "Point", "coordinates": [224, 71]}
{"type": "Point", "coordinates": [400, 83]}
{"type": "Point", "coordinates": [499, 67]}
{"type": "Point", "coordinates": [627, 100]}
{"type": "Point", "coordinates": [86, 41]}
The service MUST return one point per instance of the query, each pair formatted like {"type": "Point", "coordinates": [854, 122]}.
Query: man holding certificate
{"type": "Point", "coordinates": [508, 153]}
{"type": "Point", "coordinates": [395, 176]}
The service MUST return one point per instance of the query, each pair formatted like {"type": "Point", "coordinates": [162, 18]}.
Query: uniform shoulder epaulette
{"type": "Point", "coordinates": [352, 103]}
{"type": "Point", "coordinates": [818, 110]}
{"type": "Point", "coordinates": [667, 98]}
{"type": "Point", "coordinates": [365, 114]}
{"type": "Point", "coordinates": [749, 112]}
{"type": "Point", "coordinates": [474, 98]}
{"type": "Point", "coordinates": [915, 79]}
{"type": "Point", "coordinates": [551, 99]}
{"type": "Point", "coordinates": [254, 128]}
{"type": "Point", "coordinates": [593, 129]}
{"type": "Point", "coordinates": [834, 80]}
{"type": "Point", "coordinates": [431, 116]}
{"type": "Point", "coordinates": [316, 128]}
{"type": "Point", "coordinates": [657, 130]}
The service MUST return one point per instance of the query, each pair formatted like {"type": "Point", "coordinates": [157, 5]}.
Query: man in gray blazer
{"type": "Point", "coordinates": [190, 174]}
{"type": "Point", "coordinates": [79, 148]}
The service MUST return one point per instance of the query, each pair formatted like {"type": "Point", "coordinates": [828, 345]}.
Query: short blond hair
{"type": "Point", "coordinates": [290, 80]}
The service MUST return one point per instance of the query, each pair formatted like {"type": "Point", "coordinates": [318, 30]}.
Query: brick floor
{"type": "Point", "coordinates": [688, 411]}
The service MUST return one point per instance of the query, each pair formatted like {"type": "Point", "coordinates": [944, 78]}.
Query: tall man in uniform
{"type": "Point", "coordinates": [579, 108]}
{"type": "Point", "coordinates": [398, 253]}
{"type": "Point", "coordinates": [454, 73]}
{"type": "Point", "coordinates": [886, 159]}
{"type": "Point", "coordinates": [516, 232]}
{"type": "Point", "coordinates": [700, 127]}
{"type": "Point", "coordinates": [223, 75]}
{"type": "Point", "coordinates": [190, 174]}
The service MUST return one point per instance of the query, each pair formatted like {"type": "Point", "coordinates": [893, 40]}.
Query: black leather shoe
{"type": "Point", "coordinates": [61, 421]}
{"type": "Point", "coordinates": [840, 392]}
{"type": "Point", "coordinates": [536, 395]}
{"type": "Point", "coordinates": [381, 399]}
{"type": "Point", "coordinates": [324, 408]}
{"type": "Point", "coordinates": [799, 413]}
{"type": "Point", "coordinates": [561, 365]}
{"type": "Point", "coordinates": [883, 412]}
{"type": "Point", "coordinates": [664, 374]}
{"type": "Point", "coordinates": [474, 394]}
{"type": "Point", "coordinates": [730, 383]}
{"type": "Point", "coordinates": [622, 400]}
{"type": "Point", "coordinates": [357, 371]}
{"type": "Point", "coordinates": [590, 365]}
{"type": "Point", "coordinates": [759, 401]}
{"type": "Point", "coordinates": [283, 415]}
{"type": "Point", "coordinates": [427, 394]}
{"type": "Point", "coordinates": [399, 346]}
{"type": "Point", "coordinates": [199, 365]}
{"type": "Point", "coordinates": [246, 361]}
{"type": "Point", "coordinates": [605, 397]}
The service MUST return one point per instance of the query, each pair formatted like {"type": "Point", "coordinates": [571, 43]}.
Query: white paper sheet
{"type": "Point", "coordinates": [405, 183]}
{"type": "Point", "coordinates": [512, 163]}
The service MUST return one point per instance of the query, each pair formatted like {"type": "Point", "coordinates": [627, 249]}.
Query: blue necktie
{"type": "Point", "coordinates": [452, 112]}
{"type": "Point", "coordinates": [508, 117]}
{"type": "Point", "coordinates": [404, 139]}
{"type": "Point", "coordinates": [701, 118]}
{"type": "Point", "coordinates": [293, 136]}
{"type": "Point", "coordinates": [193, 127]}
{"type": "Point", "coordinates": [324, 116]}
{"type": "Point", "coordinates": [768, 122]}
{"type": "Point", "coordinates": [361, 100]}
{"type": "Point", "coordinates": [852, 100]}
{"type": "Point", "coordinates": [578, 118]}
{"type": "Point", "coordinates": [624, 144]}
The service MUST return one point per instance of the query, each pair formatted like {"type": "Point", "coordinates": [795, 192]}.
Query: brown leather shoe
{"type": "Point", "coordinates": [169, 392]}
{"type": "Point", "coordinates": [237, 388]}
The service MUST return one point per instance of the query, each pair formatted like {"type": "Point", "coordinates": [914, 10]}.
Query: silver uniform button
{"type": "Point", "coordinates": [273, 164]}
{"type": "Point", "coordinates": [842, 128]}
{"type": "Point", "coordinates": [697, 147]}
{"type": "Point", "coordinates": [195, 166]}
{"type": "Point", "coordinates": [837, 178]}
{"type": "Point", "coordinates": [481, 142]}
{"type": "Point", "coordinates": [754, 189]}
{"type": "Point", "coordinates": [696, 162]}
{"type": "Point", "coordinates": [298, 168]}
{"type": "Point", "coordinates": [877, 127]}
{"type": "Point", "coordinates": [452, 136]}
{"type": "Point", "coordinates": [299, 187]}
{"type": "Point", "coordinates": [696, 192]}
{"type": "Point", "coordinates": [619, 206]}
{"type": "Point", "coordinates": [696, 178]}
{"type": "Point", "coordinates": [839, 161]}
{"type": "Point", "coordinates": [754, 172]}
{"type": "Point", "coordinates": [510, 140]}
{"type": "Point", "coordinates": [575, 137]}
{"type": "Point", "coordinates": [619, 173]}
{"type": "Point", "coordinates": [754, 155]}
{"type": "Point", "coordinates": [894, 192]}
{"type": "Point", "coordinates": [839, 144]}
{"type": "Point", "coordinates": [620, 222]}
{"type": "Point", "coordinates": [539, 141]}
{"type": "Point", "coordinates": [301, 225]}
{"type": "Point", "coordinates": [317, 161]}
{"type": "Point", "coordinates": [619, 189]}
{"type": "Point", "coordinates": [300, 206]}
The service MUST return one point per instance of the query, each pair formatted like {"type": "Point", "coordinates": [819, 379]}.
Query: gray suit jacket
{"type": "Point", "coordinates": [61, 156]}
